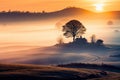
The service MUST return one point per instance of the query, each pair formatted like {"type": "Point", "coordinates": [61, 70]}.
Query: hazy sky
{"type": "Point", "coordinates": [52, 5]}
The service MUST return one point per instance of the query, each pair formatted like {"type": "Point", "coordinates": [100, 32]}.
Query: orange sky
{"type": "Point", "coordinates": [52, 5]}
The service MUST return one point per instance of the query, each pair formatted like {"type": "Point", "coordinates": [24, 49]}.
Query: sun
{"type": "Point", "coordinates": [99, 7]}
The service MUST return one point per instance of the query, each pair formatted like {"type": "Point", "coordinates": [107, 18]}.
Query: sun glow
{"type": "Point", "coordinates": [99, 7]}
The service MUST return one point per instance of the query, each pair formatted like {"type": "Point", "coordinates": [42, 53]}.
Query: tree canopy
{"type": "Point", "coordinates": [74, 29]}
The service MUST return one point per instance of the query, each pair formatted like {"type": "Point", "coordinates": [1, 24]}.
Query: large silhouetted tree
{"type": "Point", "coordinates": [74, 29]}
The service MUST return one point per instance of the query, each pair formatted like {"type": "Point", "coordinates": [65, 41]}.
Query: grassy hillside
{"type": "Point", "coordinates": [35, 72]}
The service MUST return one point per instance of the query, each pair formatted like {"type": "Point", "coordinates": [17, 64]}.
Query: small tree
{"type": "Point", "coordinates": [60, 40]}
{"type": "Point", "coordinates": [93, 39]}
{"type": "Point", "coordinates": [99, 42]}
{"type": "Point", "coordinates": [74, 29]}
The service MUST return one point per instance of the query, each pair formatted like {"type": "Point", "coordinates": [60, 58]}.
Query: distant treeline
{"type": "Point", "coordinates": [19, 16]}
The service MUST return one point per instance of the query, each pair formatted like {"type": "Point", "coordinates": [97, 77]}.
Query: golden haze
{"type": "Point", "coordinates": [53, 5]}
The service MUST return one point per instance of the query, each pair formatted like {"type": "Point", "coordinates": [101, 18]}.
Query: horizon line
{"type": "Point", "coordinates": [43, 11]}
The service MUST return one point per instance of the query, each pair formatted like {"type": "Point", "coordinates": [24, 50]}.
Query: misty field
{"type": "Point", "coordinates": [52, 45]}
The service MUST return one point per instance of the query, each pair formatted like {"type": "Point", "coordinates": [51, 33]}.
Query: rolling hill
{"type": "Point", "coordinates": [64, 13]}
{"type": "Point", "coordinates": [40, 72]}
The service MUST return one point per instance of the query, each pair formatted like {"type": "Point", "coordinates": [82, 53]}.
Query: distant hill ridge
{"type": "Point", "coordinates": [68, 9]}
{"type": "Point", "coordinates": [67, 12]}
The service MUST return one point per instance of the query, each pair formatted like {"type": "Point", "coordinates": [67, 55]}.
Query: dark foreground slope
{"type": "Point", "coordinates": [103, 67]}
{"type": "Point", "coordinates": [33, 72]}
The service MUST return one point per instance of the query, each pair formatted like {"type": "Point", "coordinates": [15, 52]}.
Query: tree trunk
{"type": "Point", "coordinates": [73, 38]}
